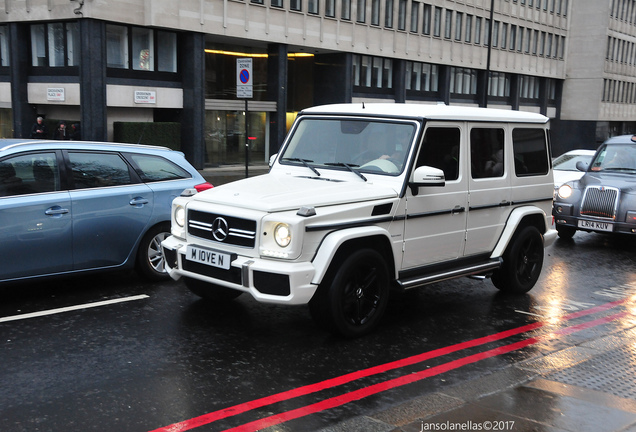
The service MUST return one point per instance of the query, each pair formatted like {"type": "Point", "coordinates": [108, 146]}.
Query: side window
{"type": "Point", "coordinates": [486, 152]}
{"type": "Point", "coordinates": [440, 149]}
{"type": "Point", "coordinates": [91, 170]}
{"type": "Point", "coordinates": [531, 151]}
{"type": "Point", "coordinates": [156, 168]}
{"type": "Point", "coordinates": [28, 174]}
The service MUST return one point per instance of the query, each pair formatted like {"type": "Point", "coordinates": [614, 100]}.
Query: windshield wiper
{"type": "Point", "coordinates": [350, 167]}
{"type": "Point", "coordinates": [304, 162]}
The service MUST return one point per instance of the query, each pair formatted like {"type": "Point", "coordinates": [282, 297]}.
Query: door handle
{"type": "Point", "coordinates": [138, 201]}
{"type": "Point", "coordinates": [55, 211]}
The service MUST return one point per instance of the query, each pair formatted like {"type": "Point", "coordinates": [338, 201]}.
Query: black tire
{"type": "Point", "coordinates": [352, 299]}
{"type": "Point", "coordinates": [565, 232]}
{"type": "Point", "coordinates": [210, 291]}
{"type": "Point", "coordinates": [150, 260]}
{"type": "Point", "coordinates": [522, 262]}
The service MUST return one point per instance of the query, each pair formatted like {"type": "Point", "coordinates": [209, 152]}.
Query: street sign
{"type": "Point", "coordinates": [244, 78]}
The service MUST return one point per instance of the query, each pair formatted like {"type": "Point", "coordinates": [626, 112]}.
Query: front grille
{"type": "Point", "coordinates": [222, 229]}
{"type": "Point", "coordinates": [600, 202]}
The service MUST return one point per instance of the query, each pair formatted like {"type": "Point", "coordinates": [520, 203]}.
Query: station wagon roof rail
{"type": "Point", "coordinates": [429, 112]}
{"type": "Point", "coordinates": [6, 144]}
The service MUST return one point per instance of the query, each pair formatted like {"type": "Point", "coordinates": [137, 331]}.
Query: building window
{"type": "Point", "coordinates": [4, 45]}
{"type": "Point", "coordinates": [296, 5]}
{"type": "Point", "coordinates": [372, 72]}
{"type": "Point", "coordinates": [495, 34]}
{"type": "Point", "coordinates": [277, 3]}
{"type": "Point", "coordinates": [415, 16]}
{"type": "Point", "coordinates": [117, 47]}
{"type": "Point", "coordinates": [375, 12]}
{"type": "Point", "coordinates": [513, 37]}
{"type": "Point", "coordinates": [141, 49]}
{"type": "Point", "coordinates": [463, 81]}
{"type": "Point", "coordinates": [528, 87]}
{"type": "Point", "coordinates": [520, 40]}
{"type": "Point", "coordinates": [426, 21]}
{"type": "Point", "coordinates": [388, 14]}
{"type": "Point", "coordinates": [166, 51]}
{"type": "Point", "coordinates": [437, 22]}
{"type": "Point", "coordinates": [458, 25]}
{"type": "Point", "coordinates": [54, 45]}
{"type": "Point", "coordinates": [504, 35]}
{"type": "Point", "coordinates": [313, 6]}
{"type": "Point", "coordinates": [345, 10]}
{"type": "Point", "coordinates": [422, 77]}
{"type": "Point", "coordinates": [402, 14]}
{"type": "Point", "coordinates": [499, 84]}
{"type": "Point", "coordinates": [330, 8]}
{"type": "Point", "coordinates": [477, 30]}
{"type": "Point", "coordinates": [362, 11]}
{"type": "Point", "coordinates": [469, 28]}
{"type": "Point", "coordinates": [448, 24]}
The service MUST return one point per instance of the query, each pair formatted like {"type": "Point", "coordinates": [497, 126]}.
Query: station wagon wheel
{"type": "Point", "coordinates": [522, 262]}
{"type": "Point", "coordinates": [150, 259]}
{"type": "Point", "coordinates": [354, 299]}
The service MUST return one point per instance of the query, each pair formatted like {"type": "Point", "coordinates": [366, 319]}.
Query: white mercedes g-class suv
{"type": "Point", "coordinates": [366, 198]}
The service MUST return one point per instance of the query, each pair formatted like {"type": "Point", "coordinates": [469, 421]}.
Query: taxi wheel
{"type": "Point", "coordinates": [210, 291]}
{"type": "Point", "coordinates": [150, 259]}
{"type": "Point", "coordinates": [522, 262]}
{"type": "Point", "coordinates": [353, 299]}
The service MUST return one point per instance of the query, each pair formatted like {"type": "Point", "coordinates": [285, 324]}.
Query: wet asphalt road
{"type": "Point", "coordinates": [161, 356]}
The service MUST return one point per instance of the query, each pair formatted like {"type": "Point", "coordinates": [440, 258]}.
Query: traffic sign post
{"type": "Point", "coordinates": [244, 90]}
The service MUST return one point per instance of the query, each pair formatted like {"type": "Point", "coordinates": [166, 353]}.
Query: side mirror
{"type": "Point", "coordinates": [426, 176]}
{"type": "Point", "coordinates": [581, 166]}
{"type": "Point", "coordinates": [272, 159]}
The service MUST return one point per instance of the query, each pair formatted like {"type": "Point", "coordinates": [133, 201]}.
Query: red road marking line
{"type": "Point", "coordinates": [408, 379]}
{"type": "Point", "coordinates": [343, 379]}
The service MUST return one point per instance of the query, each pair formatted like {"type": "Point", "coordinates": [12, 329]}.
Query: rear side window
{"type": "Point", "coordinates": [156, 168]}
{"type": "Point", "coordinates": [92, 170]}
{"type": "Point", "coordinates": [28, 174]}
{"type": "Point", "coordinates": [486, 152]}
{"type": "Point", "coordinates": [531, 152]}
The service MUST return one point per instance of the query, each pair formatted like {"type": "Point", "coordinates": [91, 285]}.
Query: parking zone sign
{"type": "Point", "coordinates": [244, 78]}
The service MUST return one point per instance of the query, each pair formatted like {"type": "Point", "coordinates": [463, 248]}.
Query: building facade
{"type": "Point", "coordinates": [98, 62]}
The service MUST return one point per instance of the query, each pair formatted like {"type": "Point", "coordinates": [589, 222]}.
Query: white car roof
{"type": "Point", "coordinates": [429, 112]}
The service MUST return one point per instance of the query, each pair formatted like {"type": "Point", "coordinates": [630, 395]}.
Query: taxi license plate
{"type": "Point", "coordinates": [209, 257]}
{"type": "Point", "coordinates": [596, 226]}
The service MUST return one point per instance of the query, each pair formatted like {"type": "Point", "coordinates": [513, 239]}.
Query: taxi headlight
{"type": "Point", "coordinates": [282, 235]}
{"type": "Point", "coordinates": [179, 216]}
{"type": "Point", "coordinates": [565, 191]}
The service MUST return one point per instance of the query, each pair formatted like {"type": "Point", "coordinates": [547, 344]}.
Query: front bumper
{"type": "Point", "coordinates": [268, 281]}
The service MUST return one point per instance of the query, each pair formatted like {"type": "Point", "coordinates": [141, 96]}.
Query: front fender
{"type": "Point", "coordinates": [515, 219]}
{"type": "Point", "coordinates": [333, 241]}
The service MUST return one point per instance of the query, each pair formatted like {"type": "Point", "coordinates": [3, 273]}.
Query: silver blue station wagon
{"type": "Point", "coordinates": [71, 207]}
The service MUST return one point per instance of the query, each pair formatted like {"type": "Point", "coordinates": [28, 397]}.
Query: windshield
{"type": "Point", "coordinates": [370, 146]}
{"type": "Point", "coordinates": [618, 158]}
{"type": "Point", "coordinates": [567, 162]}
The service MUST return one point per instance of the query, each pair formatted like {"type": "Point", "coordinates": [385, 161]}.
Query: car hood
{"type": "Point", "coordinates": [625, 182]}
{"type": "Point", "coordinates": [561, 177]}
{"type": "Point", "coordinates": [274, 193]}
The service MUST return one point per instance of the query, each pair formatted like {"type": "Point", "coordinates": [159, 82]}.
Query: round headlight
{"type": "Point", "coordinates": [565, 191]}
{"type": "Point", "coordinates": [179, 216]}
{"type": "Point", "coordinates": [282, 235]}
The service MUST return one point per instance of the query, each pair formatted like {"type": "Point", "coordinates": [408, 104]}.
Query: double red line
{"type": "Point", "coordinates": [396, 382]}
